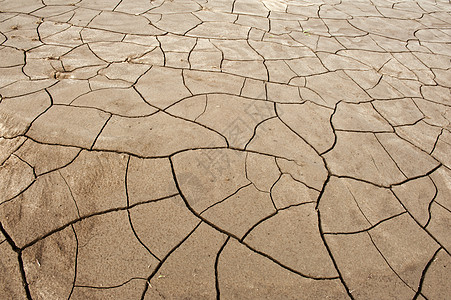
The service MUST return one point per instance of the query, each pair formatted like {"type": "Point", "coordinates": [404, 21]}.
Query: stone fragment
{"type": "Point", "coordinates": [340, 27]}
{"type": "Point", "coordinates": [136, 7]}
{"type": "Point", "coordinates": [407, 88]}
{"type": "Point", "coordinates": [23, 39]}
{"type": "Point", "coordinates": [302, 10]}
{"type": "Point", "coordinates": [176, 43]}
{"type": "Point", "coordinates": [376, 59]}
{"type": "Point", "coordinates": [297, 81]}
{"type": "Point", "coordinates": [55, 12]}
{"type": "Point", "coordinates": [361, 42]}
{"type": "Point", "coordinates": [38, 69]}
{"type": "Point", "coordinates": [21, 6]}
{"type": "Point", "coordinates": [421, 71]}
{"type": "Point", "coordinates": [216, 11]}
{"type": "Point", "coordinates": [443, 77]}
{"type": "Point", "coordinates": [70, 36]}
{"type": "Point", "coordinates": [98, 4]}
{"type": "Point", "coordinates": [431, 35]}
{"type": "Point", "coordinates": [82, 16]}
{"type": "Point", "coordinates": [313, 25]}
{"type": "Point", "coordinates": [251, 8]}
{"type": "Point", "coordinates": [283, 27]}
{"type": "Point", "coordinates": [433, 60]}
{"type": "Point", "coordinates": [382, 90]}
{"type": "Point", "coordinates": [437, 94]}
{"type": "Point", "coordinates": [404, 13]}
{"type": "Point", "coordinates": [395, 69]}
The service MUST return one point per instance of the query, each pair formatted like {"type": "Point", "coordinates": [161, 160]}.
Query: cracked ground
{"type": "Point", "coordinates": [228, 149]}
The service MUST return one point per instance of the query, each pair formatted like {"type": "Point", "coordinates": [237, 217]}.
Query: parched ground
{"type": "Point", "coordinates": [228, 149]}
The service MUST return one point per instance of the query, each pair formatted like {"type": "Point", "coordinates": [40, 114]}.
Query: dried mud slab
{"type": "Point", "coordinates": [254, 149]}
